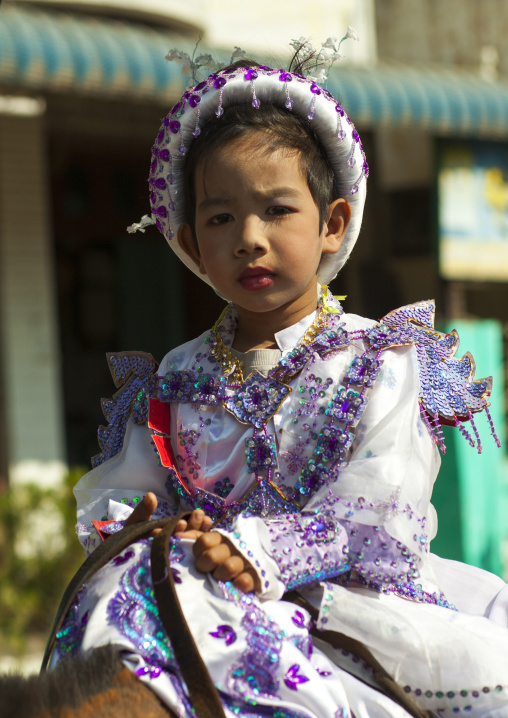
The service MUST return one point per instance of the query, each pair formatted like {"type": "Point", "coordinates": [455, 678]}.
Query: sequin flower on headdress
{"type": "Point", "coordinates": [208, 95]}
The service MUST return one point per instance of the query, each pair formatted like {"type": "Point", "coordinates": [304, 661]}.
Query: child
{"type": "Point", "coordinates": [305, 434]}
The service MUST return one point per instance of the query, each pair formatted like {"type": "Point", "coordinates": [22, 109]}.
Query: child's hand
{"type": "Point", "coordinates": [193, 528]}
{"type": "Point", "coordinates": [144, 511]}
{"type": "Point", "coordinates": [198, 523]}
{"type": "Point", "coordinates": [216, 555]}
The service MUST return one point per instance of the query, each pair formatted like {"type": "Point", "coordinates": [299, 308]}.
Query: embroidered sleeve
{"type": "Point", "coordinates": [290, 552]}
{"type": "Point", "coordinates": [127, 466]}
{"type": "Point", "coordinates": [134, 373]}
{"type": "Point", "coordinates": [449, 393]}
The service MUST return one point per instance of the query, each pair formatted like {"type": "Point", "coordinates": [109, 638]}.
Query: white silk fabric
{"type": "Point", "coordinates": [449, 661]}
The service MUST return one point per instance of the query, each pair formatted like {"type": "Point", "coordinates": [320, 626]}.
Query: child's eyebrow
{"type": "Point", "coordinates": [276, 192]}
{"type": "Point", "coordinates": [279, 192]}
{"type": "Point", "coordinates": [212, 201]}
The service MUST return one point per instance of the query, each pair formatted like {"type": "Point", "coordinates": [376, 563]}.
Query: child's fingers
{"type": "Point", "coordinates": [229, 569]}
{"type": "Point", "coordinates": [180, 526]}
{"type": "Point", "coordinates": [207, 523]}
{"type": "Point", "coordinates": [144, 510]}
{"type": "Point", "coordinates": [196, 519]}
{"type": "Point", "coordinates": [197, 523]}
{"type": "Point", "coordinates": [212, 557]}
{"type": "Point", "coordinates": [216, 555]}
{"type": "Point", "coordinates": [200, 521]}
{"type": "Point", "coordinates": [205, 542]}
{"type": "Point", "coordinates": [188, 534]}
{"type": "Point", "coordinates": [245, 582]}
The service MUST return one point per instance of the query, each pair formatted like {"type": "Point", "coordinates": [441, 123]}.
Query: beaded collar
{"type": "Point", "coordinates": [231, 366]}
{"type": "Point", "coordinates": [256, 398]}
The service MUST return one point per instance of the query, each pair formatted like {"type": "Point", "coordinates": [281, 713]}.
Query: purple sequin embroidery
{"type": "Point", "coordinates": [225, 632]}
{"type": "Point", "coordinates": [255, 672]}
{"type": "Point", "coordinates": [70, 636]}
{"type": "Point", "coordinates": [133, 611]}
{"type": "Point", "coordinates": [294, 678]}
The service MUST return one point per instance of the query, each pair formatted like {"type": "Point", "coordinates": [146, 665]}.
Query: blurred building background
{"type": "Point", "coordinates": [83, 86]}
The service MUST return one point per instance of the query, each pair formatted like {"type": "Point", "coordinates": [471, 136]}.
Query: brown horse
{"type": "Point", "coordinates": [85, 687]}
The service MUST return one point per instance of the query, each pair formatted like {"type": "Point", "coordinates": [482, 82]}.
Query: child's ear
{"type": "Point", "coordinates": [335, 227]}
{"type": "Point", "coordinates": [189, 245]}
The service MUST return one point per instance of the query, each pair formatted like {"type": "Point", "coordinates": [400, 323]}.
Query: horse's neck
{"type": "Point", "coordinates": [82, 687]}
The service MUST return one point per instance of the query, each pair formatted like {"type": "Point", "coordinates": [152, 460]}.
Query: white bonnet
{"type": "Point", "coordinates": [256, 85]}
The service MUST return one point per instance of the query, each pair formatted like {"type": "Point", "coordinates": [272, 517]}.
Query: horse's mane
{"type": "Point", "coordinates": [96, 684]}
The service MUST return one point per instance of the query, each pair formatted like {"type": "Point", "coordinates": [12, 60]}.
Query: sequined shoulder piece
{"type": "Point", "coordinates": [134, 373]}
{"type": "Point", "coordinates": [449, 392]}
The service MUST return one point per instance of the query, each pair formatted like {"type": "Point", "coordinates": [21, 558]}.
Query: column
{"type": "Point", "coordinates": [30, 361]}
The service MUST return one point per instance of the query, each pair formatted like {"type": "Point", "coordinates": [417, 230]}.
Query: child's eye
{"type": "Point", "coordinates": [220, 219]}
{"type": "Point", "coordinates": [278, 211]}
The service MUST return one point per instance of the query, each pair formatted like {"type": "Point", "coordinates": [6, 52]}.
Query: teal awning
{"type": "Point", "coordinates": [442, 101]}
{"type": "Point", "coordinates": [56, 51]}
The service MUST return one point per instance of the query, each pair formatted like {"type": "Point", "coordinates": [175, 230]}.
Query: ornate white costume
{"type": "Point", "coordinates": [358, 547]}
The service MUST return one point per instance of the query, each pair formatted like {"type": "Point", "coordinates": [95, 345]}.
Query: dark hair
{"type": "Point", "coordinates": [284, 131]}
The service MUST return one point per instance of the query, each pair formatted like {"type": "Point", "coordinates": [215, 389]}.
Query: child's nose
{"type": "Point", "coordinates": [251, 237]}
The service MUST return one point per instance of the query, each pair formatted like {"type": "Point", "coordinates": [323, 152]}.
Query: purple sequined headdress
{"type": "Point", "coordinates": [255, 85]}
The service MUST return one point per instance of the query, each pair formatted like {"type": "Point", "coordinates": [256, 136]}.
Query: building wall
{"type": "Point", "coordinates": [466, 33]}
{"type": "Point", "coordinates": [267, 27]}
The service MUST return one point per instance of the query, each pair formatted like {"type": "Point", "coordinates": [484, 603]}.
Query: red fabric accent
{"type": "Point", "coordinates": [163, 444]}
{"type": "Point", "coordinates": [99, 525]}
{"type": "Point", "coordinates": [167, 457]}
{"type": "Point", "coordinates": [159, 417]}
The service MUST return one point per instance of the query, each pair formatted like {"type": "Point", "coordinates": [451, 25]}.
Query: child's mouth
{"type": "Point", "coordinates": [256, 278]}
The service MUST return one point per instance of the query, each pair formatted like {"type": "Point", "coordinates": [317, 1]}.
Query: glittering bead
{"type": "Point", "coordinates": [190, 386]}
{"type": "Point", "coordinates": [382, 336]}
{"type": "Point", "coordinates": [313, 476]}
{"type": "Point", "coordinates": [333, 443]}
{"type": "Point", "coordinates": [261, 453]}
{"type": "Point", "coordinates": [347, 406]}
{"type": "Point", "coordinates": [363, 371]}
{"type": "Point", "coordinates": [257, 399]}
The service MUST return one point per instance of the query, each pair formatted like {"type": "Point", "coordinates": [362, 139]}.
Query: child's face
{"type": "Point", "coordinates": [257, 229]}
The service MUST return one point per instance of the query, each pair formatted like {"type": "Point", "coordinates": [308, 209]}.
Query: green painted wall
{"type": "Point", "coordinates": [471, 492]}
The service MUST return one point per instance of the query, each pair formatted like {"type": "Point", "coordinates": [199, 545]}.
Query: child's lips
{"type": "Point", "coordinates": [256, 278]}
